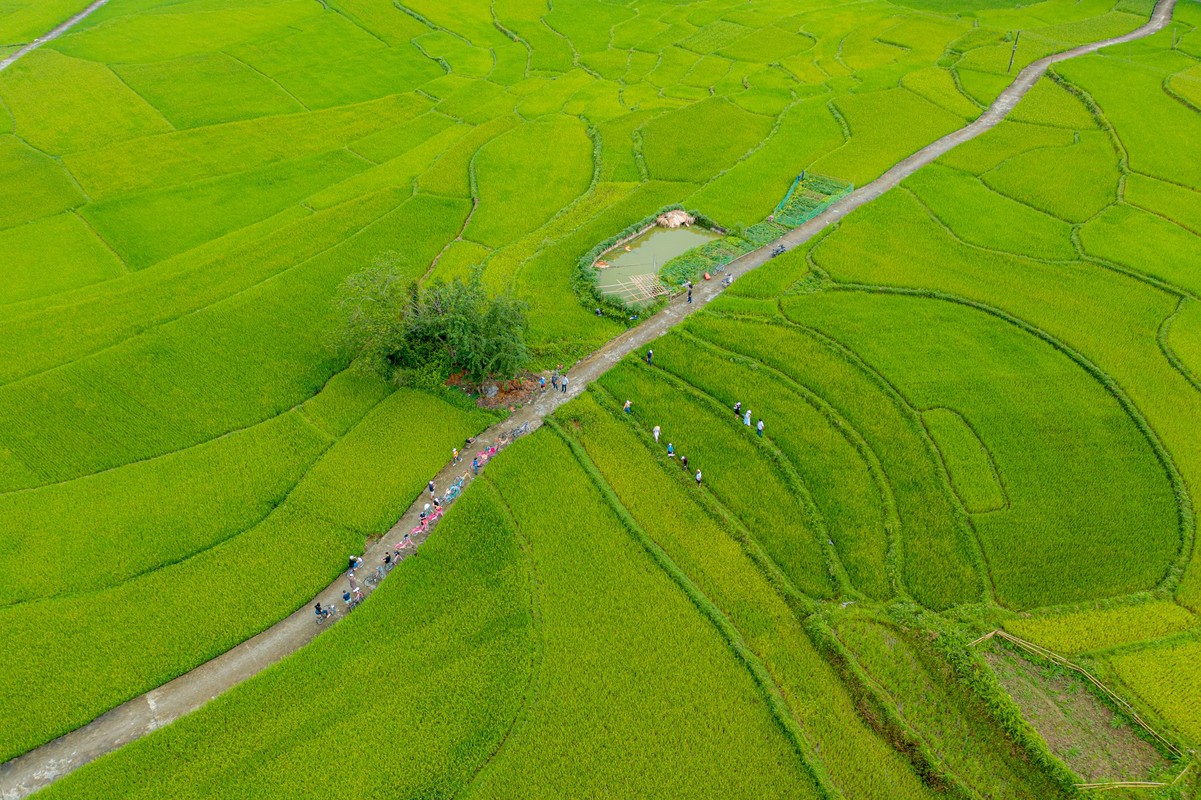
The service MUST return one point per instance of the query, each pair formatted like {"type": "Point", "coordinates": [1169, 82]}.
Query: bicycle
{"type": "Point", "coordinates": [455, 489]}
{"type": "Point", "coordinates": [325, 614]}
{"type": "Point", "coordinates": [373, 580]}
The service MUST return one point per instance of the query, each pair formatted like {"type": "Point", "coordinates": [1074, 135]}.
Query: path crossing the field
{"type": "Point", "coordinates": [138, 717]}
{"type": "Point", "coordinates": [50, 37]}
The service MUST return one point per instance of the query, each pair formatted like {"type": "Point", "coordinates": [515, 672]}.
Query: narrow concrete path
{"type": "Point", "coordinates": [54, 34]}
{"type": "Point", "coordinates": [153, 710]}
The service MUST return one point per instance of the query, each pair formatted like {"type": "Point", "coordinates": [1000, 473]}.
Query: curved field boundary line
{"type": "Point", "coordinates": [1043, 652]}
{"type": "Point", "coordinates": [54, 34]}
{"type": "Point", "coordinates": [1163, 336]}
{"type": "Point", "coordinates": [799, 603]}
{"type": "Point", "coordinates": [1185, 511]}
{"type": "Point", "coordinates": [777, 703]}
{"type": "Point", "coordinates": [965, 531]}
{"type": "Point", "coordinates": [45, 764]}
{"type": "Point", "coordinates": [988, 455]}
{"type": "Point", "coordinates": [890, 519]}
{"type": "Point", "coordinates": [790, 479]}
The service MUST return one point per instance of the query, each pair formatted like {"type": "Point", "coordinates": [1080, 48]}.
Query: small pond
{"type": "Point", "coordinates": [646, 256]}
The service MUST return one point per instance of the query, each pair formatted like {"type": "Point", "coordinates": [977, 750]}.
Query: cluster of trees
{"type": "Point", "coordinates": [419, 335]}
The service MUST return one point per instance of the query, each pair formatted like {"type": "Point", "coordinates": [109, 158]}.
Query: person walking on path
{"type": "Point", "coordinates": [746, 418]}
{"type": "Point", "coordinates": [475, 466]}
{"type": "Point", "coordinates": [564, 384]}
{"type": "Point", "coordinates": [738, 409]}
{"type": "Point", "coordinates": [655, 433]}
{"type": "Point", "coordinates": [689, 294]}
{"type": "Point", "coordinates": [698, 477]}
{"type": "Point", "coordinates": [626, 408]}
{"type": "Point", "coordinates": [650, 357]}
{"type": "Point", "coordinates": [759, 427]}
{"type": "Point", "coordinates": [542, 383]}
{"type": "Point", "coordinates": [457, 458]}
{"type": "Point", "coordinates": [554, 379]}
{"type": "Point", "coordinates": [431, 488]}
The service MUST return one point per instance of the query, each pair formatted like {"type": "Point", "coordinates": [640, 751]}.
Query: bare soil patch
{"type": "Point", "coordinates": [1094, 741]}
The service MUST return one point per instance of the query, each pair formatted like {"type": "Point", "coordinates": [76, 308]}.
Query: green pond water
{"type": "Point", "coordinates": [647, 254]}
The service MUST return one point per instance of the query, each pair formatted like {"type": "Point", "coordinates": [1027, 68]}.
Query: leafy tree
{"type": "Point", "coordinates": [419, 335]}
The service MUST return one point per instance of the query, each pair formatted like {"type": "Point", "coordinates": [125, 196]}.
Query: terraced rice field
{"type": "Point", "coordinates": [980, 393]}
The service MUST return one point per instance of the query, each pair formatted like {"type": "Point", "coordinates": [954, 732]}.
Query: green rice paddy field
{"type": "Point", "coordinates": [981, 394]}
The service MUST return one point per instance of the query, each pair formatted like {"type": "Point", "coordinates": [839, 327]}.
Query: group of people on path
{"type": "Point", "coordinates": [353, 595]}
{"type": "Point", "coordinates": [657, 431]}
{"type": "Point", "coordinates": [430, 512]}
{"type": "Point", "coordinates": [746, 418]}
{"type": "Point", "coordinates": [558, 380]}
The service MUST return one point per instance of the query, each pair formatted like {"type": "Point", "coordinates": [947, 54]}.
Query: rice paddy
{"type": "Point", "coordinates": [980, 393]}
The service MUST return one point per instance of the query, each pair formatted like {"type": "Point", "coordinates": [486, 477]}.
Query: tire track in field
{"type": "Point", "coordinates": [142, 715]}
{"type": "Point", "coordinates": [52, 35]}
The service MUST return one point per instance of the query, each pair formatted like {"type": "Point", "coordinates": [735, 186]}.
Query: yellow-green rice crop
{"type": "Point", "coordinates": [818, 444]}
{"type": "Point", "coordinates": [147, 228]}
{"type": "Point", "coordinates": [23, 22]}
{"type": "Point", "coordinates": [91, 107]}
{"type": "Point", "coordinates": [738, 468]}
{"type": "Point", "coordinates": [937, 562]}
{"type": "Point", "coordinates": [736, 580]}
{"type": "Point", "coordinates": [1102, 628]}
{"type": "Point", "coordinates": [75, 656]}
{"type": "Point", "coordinates": [1088, 182]}
{"type": "Point", "coordinates": [969, 466]}
{"type": "Point", "coordinates": [1090, 509]}
{"type": "Point", "coordinates": [225, 90]}
{"type": "Point", "coordinates": [511, 179]}
{"type": "Point", "coordinates": [941, 710]}
{"type": "Point", "coordinates": [638, 685]}
{"type": "Point", "coordinates": [677, 150]}
{"type": "Point", "coordinates": [1166, 678]}
{"type": "Point", "coordinates": [31, 186]}
{"type": "Point", "coordinates": [242, 157]}
{"type": "Point", "coordinates": [1144, 243]}
{"type": "Point", "coordinates": [988, 219]}
{"type": "Point", "coordinates": [451, 635]}
{"type": "Point", "coordinates": [81, 258]}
